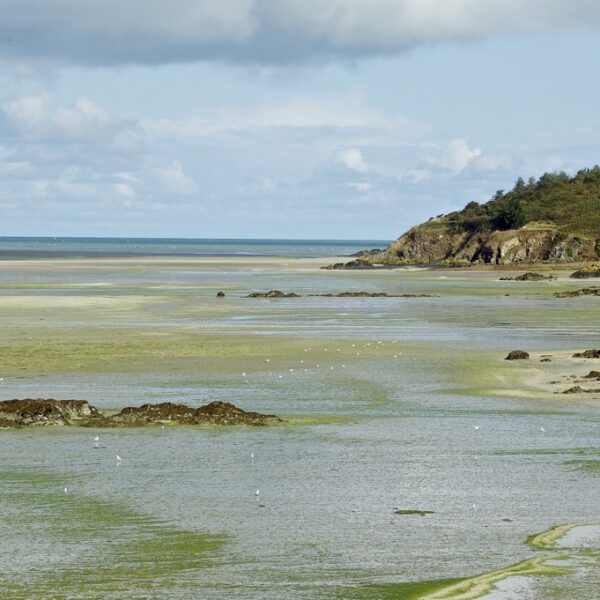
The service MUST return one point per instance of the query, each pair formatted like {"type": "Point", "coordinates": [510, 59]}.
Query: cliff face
{"type": "Point", "coordinates": [435, 242]}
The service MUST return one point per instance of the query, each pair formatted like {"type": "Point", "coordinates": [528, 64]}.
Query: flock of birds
{"type": "Point", "coordinates": [377, 343]}
{"type": "Point", "coordinates": [303, 368]}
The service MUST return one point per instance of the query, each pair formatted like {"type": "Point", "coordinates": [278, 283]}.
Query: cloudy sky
{"type": "Point", "coordinates": [285, 118]}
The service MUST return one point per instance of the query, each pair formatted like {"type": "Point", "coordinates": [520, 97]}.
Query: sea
{"type": "Point", "coordinates": [66, 247]}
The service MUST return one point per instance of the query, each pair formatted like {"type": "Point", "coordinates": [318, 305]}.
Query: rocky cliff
{"type": "Point", "coordinates": [553, 219]}
{"type": "Point", "coordinates": [533, 243]}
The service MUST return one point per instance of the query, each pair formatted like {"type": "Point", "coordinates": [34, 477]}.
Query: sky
{"type": "Point", "coordinates": [336, 119]}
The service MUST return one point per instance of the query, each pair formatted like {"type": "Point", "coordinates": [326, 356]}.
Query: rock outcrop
{"type": "Point", "coordinates": [582, 292]}
{"type": "Point", "coordinates": [591, 273]}
{"type": "Point", "coordinates": [517, 355]}
{"type": "Point", "coordinates": [587, 354]}
{"type": "Point", "coordinates": [272, 294]}
{"type": "Point", "coordinates": [46, 411]}
{"type": "Point", "coordinates": [43, 412]}
{"type": "Point", "coordinates": [529, 277]}
{"type": "Point", "coordinates": [215, 413]}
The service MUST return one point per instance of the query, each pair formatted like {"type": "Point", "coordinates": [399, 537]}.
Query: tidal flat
{"type": "Point", "coordinates": [388, 402]}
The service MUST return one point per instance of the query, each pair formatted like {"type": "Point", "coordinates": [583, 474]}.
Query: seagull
{"type": "Point", "coordinates": [257, 492]}
{"type": "Point", "coordinates": [252, 456]}
{"type": "Point", "coordinates": [267, 360]}
{"type": "Point", "coordinates": [476, 427]}
{"type": "Point", "coordinates": [66, 491]}
{"type": "Point", "coordinates": [474, 508]}
{"type": "Point", "coordinates": [96, 442]}
{"type": "Point", "coordinates": [244, 374]}
{"type": "Point", "coordinates": [542, 428]}
{"type": "Point", "coordinates": [119, 459]}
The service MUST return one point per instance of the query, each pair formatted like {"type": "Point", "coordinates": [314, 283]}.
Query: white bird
{"type": "Point", "coordinates": [119, 459]}
{"type": "Point", "coordinates": [162, 426]}
{"type": "Point", "coordinates": [476, 427]}
{"type": "Point", "coordinates": [474, 508]}
{"type": "Point", "coordinates": [252, 456]}
{"type": "Point", "coordinates": [257, 492]}
{"type": "Point", "coordinates": [96, 442]}
{"type": "Point", "coordinates": [244, 374]}
{"type": "Point", "coordinates": [542, 428]}
{"type": "Point", "coordinates": [267, 360]}
{"type": "Point", "coordinates": [331, 368]}
{"type": "Point", "coordinates": [66, 491]}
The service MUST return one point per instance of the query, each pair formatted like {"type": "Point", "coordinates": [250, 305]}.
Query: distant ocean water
{"type": "Point", "coordinates": [67, 247]}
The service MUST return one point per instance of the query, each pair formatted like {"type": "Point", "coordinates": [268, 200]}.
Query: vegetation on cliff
{"type": "Point", "coordinates": [555, 218]}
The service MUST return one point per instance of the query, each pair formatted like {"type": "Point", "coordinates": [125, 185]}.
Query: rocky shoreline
{"type": "Point", "coordinates": [41, 412]}
{"type": "Point", "coordinates": [359, 294]}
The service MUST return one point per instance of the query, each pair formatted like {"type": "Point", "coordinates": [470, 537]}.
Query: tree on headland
{"type": "Point", "coordinates": [512, 215]}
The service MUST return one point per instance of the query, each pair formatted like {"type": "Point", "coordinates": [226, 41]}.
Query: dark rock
{"type": "Point", "coordinates": [517, 355]}
{"type": "Point", "coordinates": [529, 277]}
{"type": "Point", "coordinates": [583, 292]}
{"type": "Point", "coordinates": [272, 294]}
{"type": "Point", "coordinates": [576, 389]}
{"type": "Point", "coordinates": [593, 375]}
{"type": "Point", "coordinates": [546, 360]}
{"type": "Point", "coordinates": [587, 354]}
{"type": "Point", "coordinates": [216, 413]}
{"type": "Point", "coordinates": [220, 294]}
{"type": "Point", "coordinates": [45, 411]}
{"type": "Point", "coordinates": [585, 274]}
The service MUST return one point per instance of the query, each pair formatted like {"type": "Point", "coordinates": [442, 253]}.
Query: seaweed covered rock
{"type": "Point", "coordinates": [586, 273]}
{"type": "Point", "coordinates": [587, 354]}
{"type": "Point", "coordinates": [529, 277]}
{"type": "Point", "coordinates": [593, 291]}
{"type": "Point", "coordinates": [593, 375]}
{"type": "Point", "coordinates": [517, 355]}
{"type": "Point", "coordinates": [272, 294]}
{"type": "Point", "coordinates": [216, 413]}
{"type": "Point", "coordinates": [46, 411]}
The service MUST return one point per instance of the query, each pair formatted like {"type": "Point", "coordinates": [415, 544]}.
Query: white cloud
{"type": "Point", "coordinates": [37, 117]}
{"type": "Point", "coordinates": [353, 159]}
{"type": "Point", "coordinates": [174, 177]}
{"type": "Point", "coordinates": [124, 189]}
{"type": "Point", "coordinates": [455, 156]}
{"type": "Point", "coordinates": [361, 186]}
{"type": "Point", "coordinates": [264, 31]}
{"type": "Point", "coordinates": [318, 112]}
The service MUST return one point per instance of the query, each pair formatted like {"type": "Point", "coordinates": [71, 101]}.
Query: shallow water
{"type": "Point", "coordinates": [390, 427]}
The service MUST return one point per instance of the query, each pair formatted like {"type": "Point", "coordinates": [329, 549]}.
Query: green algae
{"type": "Point", "coordinates": [398, 591]}
{"type": "Point", "coordinates": [591, 466]}
{"type": "Point", "coordinates": [470, 588]}
{"type": "Point", "coordinates": [413, 511]}
{"type": "Point", "coordinates": [104, 548]}
{"type": "Point", "coordinates": [547, 539]}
